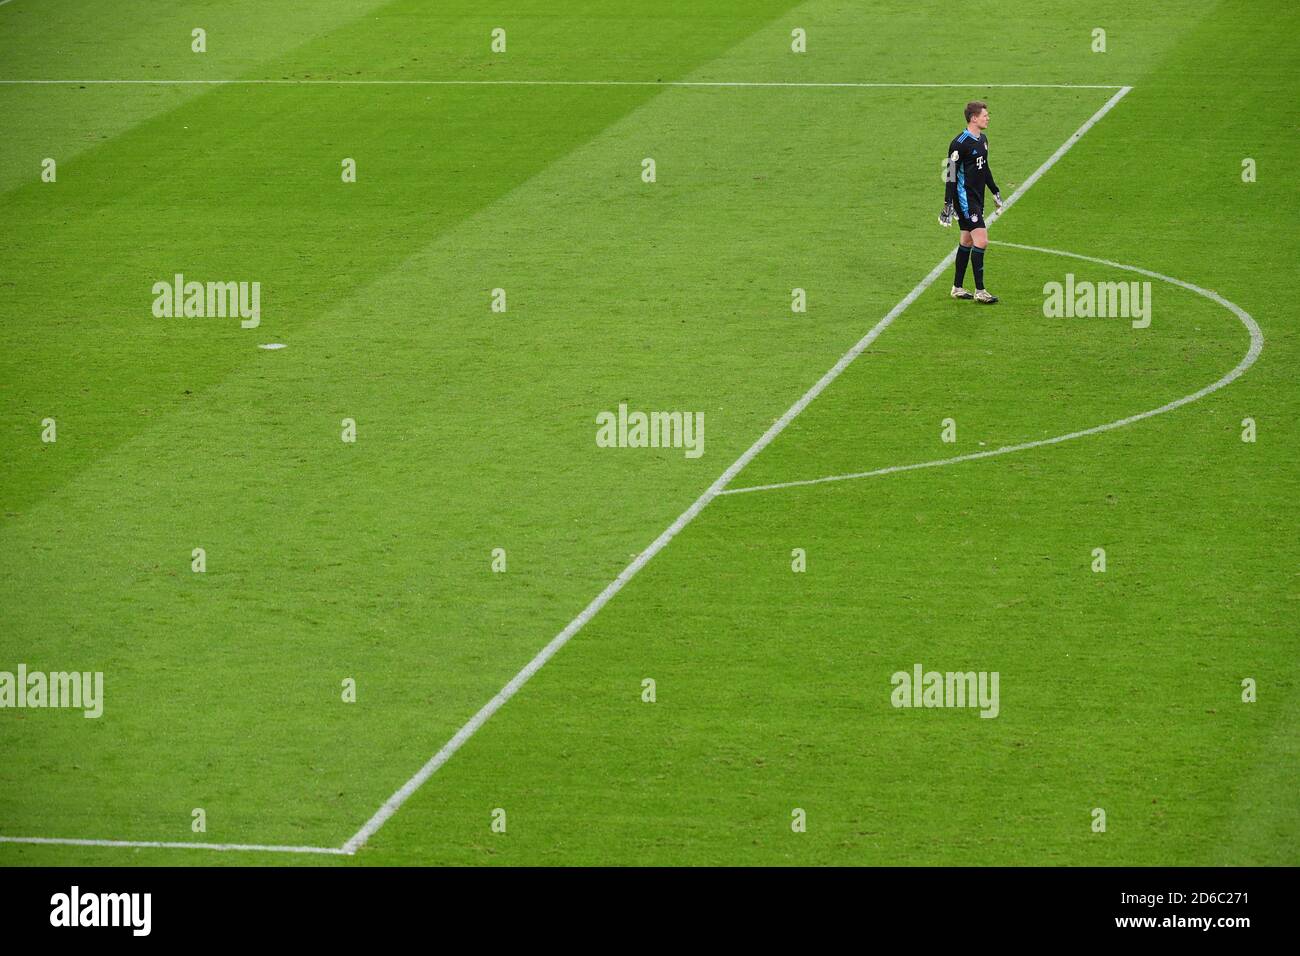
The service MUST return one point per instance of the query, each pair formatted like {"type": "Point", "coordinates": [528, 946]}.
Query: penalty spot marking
{"type": "Point", "coordinates": [273, 345]}
{"type": "Point", "coordinates": [1247, 360]}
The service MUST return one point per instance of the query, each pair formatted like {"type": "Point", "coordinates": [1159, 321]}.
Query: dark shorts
{"type": "Point", "coordinates": [976, 220]}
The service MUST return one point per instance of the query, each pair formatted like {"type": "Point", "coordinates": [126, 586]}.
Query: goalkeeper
{"type": "Point", "coordinates": [965, 176]}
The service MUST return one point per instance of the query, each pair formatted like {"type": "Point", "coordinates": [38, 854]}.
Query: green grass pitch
{"type": "Point", "coordinates": [371, 561]}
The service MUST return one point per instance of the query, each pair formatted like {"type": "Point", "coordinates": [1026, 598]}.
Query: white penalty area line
{"type": "Point", "coordinates": [678, 83]}
{"type": "Point", "coordinates": [163, 845]}
{"type": "Point", "coordinates": [404, 793]}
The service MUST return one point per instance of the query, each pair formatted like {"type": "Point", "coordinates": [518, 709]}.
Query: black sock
{"type": "Point", "coordinates": [963, 256]}
{"type": "Point", "coordinates": [977, 263]}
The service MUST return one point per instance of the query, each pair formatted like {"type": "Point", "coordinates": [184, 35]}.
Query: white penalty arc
{"type": "Point", "coordinates": [1247, 360]}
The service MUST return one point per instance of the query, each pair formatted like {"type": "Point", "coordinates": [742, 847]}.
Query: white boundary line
{"type": "Point", "coordinates": [404, 793]}
{"type": "Point", "coordinates": [662, 83]}
{"type": "Point", "coordinates": [1256, 346]}
{"type": "Point", "coordinates": [334, 851]}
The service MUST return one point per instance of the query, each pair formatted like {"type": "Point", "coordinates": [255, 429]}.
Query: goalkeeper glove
{"type": "Point", "coordinates": [945, 217]}
{"type": "Point", "coordinates": [997, 198]}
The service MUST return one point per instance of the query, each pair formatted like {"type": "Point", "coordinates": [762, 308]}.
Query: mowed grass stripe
{"type": "Point", "coordinates": [204, 470]}
{"type": "Point", "coordinates": [65, 39]}
{"type": "Point", "coordinates": [178, 192]}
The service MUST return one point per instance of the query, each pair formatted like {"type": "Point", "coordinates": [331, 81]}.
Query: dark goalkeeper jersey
{"type": "Point", "coordinates": [968, 174]}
